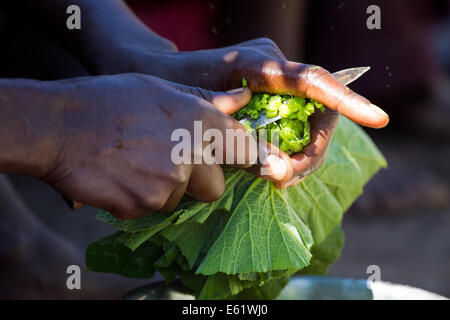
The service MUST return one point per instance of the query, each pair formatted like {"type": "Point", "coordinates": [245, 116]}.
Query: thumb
{"type": "Point", "coordinates": [227, 102]}
{"type": "Point", "coordinates": [231, 101]}
{"type": "Point", "coordinates": [273, 164]}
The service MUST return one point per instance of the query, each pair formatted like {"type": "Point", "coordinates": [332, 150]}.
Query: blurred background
{"type": "Point", "coordinates": [402, 221]}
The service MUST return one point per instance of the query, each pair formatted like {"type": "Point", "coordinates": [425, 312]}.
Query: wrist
{"type": "Point", "coordinates": [125, 56]}
{"type": "Point", "coordinates": [31, 126]}
{"type": "Point", "coordinates": [112, 35]}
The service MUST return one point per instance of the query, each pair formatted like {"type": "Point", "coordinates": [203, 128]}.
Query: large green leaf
{"type": "Point", "coordinates": [264, 232]}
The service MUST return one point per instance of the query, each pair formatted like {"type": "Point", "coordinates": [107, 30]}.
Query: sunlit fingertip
{"type": "Point", "coordinates": [382, 116]}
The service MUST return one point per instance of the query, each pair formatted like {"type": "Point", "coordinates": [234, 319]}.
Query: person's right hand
{"type": "Point", "coordinates": [115, 150]}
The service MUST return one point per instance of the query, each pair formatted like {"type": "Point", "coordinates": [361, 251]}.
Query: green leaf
{"type": "Point", "coordinates": [137, 231]}
{"type": "Point", "coordinates": [108, 256]}
{"type": "Point", "coordinates": [267, 291]}
{"type": "Point", "coordinates": [199, 237]}
{"type": "Point", "coordinates": [199, 211]}
{"type": "Point", "coordinates": [170, 272]}
{"type": "Point", "coordinates": [249, 287]}
{"type": "Point", "coordinates": [267, 230]}
{"type": "Point", "coordinates": [265, 234]}
{"type": "Point", "coordinates": [156, 220]}
{"type": "Point", "coordinates": [170, 254]}
{"type": "Point", "coordinates": [221, 286]}
{"type": "Point", "coordinates": [192, 282]}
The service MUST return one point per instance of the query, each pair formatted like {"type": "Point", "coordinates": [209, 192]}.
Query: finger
{"type": "Point", "coordinates": [175, 197]}
{"type": "Point", "coordinates": [314, 154]}
{"type": "Point", "coordinates": [285, 77]}
{"type": "Point", "coordinates": [231, 101]}
{"type": "Point", "coordinates": [229, 141]}
{"type": "Point", "coordinates": [108, 195]}
{"type": "Point", "coordinates": [122, 206]}
{"type": "Point", "coordinates": [207, 183]}
{"type": "Point", "coordinates": [227, 102]}
{"type": "Point", "coordinates": [233, 144]}
{"type": "Point", "coordinates": [273, 164]}
{"type": "Point", "coordinates": [158, 194]}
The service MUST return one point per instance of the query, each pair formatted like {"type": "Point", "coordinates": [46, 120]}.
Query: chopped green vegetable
{"type": "Point", "coordinates": [292, 131]}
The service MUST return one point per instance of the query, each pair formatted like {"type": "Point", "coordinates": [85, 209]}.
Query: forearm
{"type": "Point", "coordinates": [31, 116]}
{"type": "Point", "coordinates": [109, 29]}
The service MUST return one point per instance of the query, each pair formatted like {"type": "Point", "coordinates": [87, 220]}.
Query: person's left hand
{"type": "Point", "coordinates": [266, 69]}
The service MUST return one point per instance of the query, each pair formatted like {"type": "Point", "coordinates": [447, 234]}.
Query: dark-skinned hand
{"type": "Point", "coordinates": [266, 69]}
{"type": "Point", "coordinates": [115, 142]}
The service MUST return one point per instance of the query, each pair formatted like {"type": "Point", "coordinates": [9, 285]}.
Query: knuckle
{"type": "Point", "coordinates": [122, 212]}
{"type": "Point", "coordinates": [246, 52]}
{"type": "Point", "coordinates": [265, 41]}
{"type": "Point", "coordinates": [313, 73]}
{"type": "Point", "coordinates": [155, 196]}
{"type": "Point", "coordinates": [250, 56]}
{"type": "Point", "coordinates": [202, 93]}
{"type": "Point", "coordinates": [266, 47]}
{"type": "Point", "coordinates": [147, 199]}
{"type": "Point", "coordinates": [150, 203]}
{"type": "Point", "coordinates": [178, 175]}
{"type": "Point", "coordinates": [273, 51]}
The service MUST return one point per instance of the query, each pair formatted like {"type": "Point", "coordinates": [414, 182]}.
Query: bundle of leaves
{"type": "Point", "coordinates": [255, 237]}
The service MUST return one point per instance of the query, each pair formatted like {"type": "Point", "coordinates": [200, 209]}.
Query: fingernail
{"type": "Point", "coordinates": [236, 91]}
{"type": "Point", "coordinates": [378, 110]}
{"type": "Point", "coordinates": [276, 167]}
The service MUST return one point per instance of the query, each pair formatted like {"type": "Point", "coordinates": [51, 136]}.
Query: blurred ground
{"type": "Point", "coordinates": [412, 250]}
{"type": "Point", "coordinates": [406, 231]}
